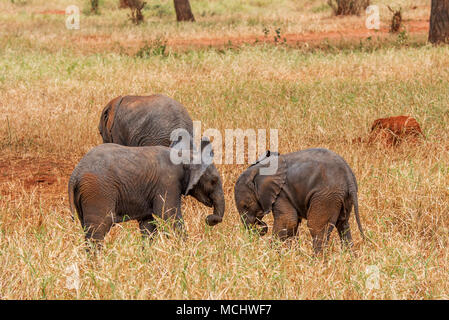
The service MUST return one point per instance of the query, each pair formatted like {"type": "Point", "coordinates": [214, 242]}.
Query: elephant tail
{"type": "Point", "coordinates": [356, 210]}
{"type": "Point", "coordinates": [74, 199]}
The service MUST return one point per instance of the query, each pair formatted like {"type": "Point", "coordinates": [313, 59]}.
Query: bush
{"type": "Point", "coordinates": [154, 48]}
{"type": "Point", "coordinates": [94, 6]}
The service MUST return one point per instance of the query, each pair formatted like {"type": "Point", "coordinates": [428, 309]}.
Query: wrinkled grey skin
{"type": "Point", "coordinates": [143, 121]}
{"type": "Point", "coordinates": [313, 184]}
{"type": "Point", "coordinates": [115, 183]}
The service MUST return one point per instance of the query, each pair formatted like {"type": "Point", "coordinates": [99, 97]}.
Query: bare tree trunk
{"type": "Point", "coordinates": [348, 7]}
{"type": "Point", "coordinates": [396, 21]}
{"type": "Point", "coordinates": [439, 21]}
{"type": "Point", "coordinates": [183, 10]}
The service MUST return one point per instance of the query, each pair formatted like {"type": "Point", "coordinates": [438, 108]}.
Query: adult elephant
{"type": "Point", "coordinates": [143, 120]}
{"type": "Point", "coordinates": [313, 184]}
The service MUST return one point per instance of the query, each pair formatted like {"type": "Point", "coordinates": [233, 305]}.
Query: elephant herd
{"type": "Point", "coordinates": [132, 176]}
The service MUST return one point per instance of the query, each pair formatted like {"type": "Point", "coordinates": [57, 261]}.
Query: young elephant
{"type": "Point", "coordinates": [143, 121]}
{"type": "Point", "coordinates": [114, 183]}
{"type": "Point", "coordinates": [313, 184]}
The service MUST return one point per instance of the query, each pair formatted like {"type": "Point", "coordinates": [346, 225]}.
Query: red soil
{"type": "Point", "coordinates": [47, 177]}
{"type": "Point", "coordinates": [52, 12]}
{"type": "Point", "coordinates": [413, 27]}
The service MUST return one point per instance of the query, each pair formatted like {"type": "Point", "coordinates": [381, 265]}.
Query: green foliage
{"type": "Point", "coordinates": [402, 37]}
{"type": "Point", "coordinates": [277, 35]}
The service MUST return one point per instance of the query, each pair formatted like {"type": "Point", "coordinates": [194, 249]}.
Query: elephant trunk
{"type": "Point", "coordinates": [251, 222]}
{"type": "Point", "coordinates": [219, 208]}
{"type": "Point", "coordinates": [262, 227]}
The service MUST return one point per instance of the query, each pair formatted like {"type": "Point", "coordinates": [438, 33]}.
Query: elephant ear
{"type": "Point", "coordinates": [198, 166]}
{"type": "Point", "coordinates": [268, 187]}
{"type": "Point", "coordinates": [265, 156]}
{"type": "Point", "coordinates": [107, 118]}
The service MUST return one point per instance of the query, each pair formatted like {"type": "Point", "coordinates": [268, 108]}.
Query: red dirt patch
{"type": "Point", "coordinates": [48, 177]}
{"type": "Point", "coordinates": [40, 179]}
{"type": "Point", "coordinates": [392, 131]}
{"type": "Point", "coordinates": [417, 26]}
{"type": "Point", "coordinates": [62, 12]}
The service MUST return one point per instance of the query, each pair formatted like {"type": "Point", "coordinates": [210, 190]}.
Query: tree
{"type": "Point", "coordinates": [348, 7]}
{"type": "Point", "coordinates": [183, 10]}
{"type": "Point", "coordinates": [439, 21]}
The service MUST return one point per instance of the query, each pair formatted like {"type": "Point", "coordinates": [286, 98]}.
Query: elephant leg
{"type": "Point", "coordinates": [148, 228]}
{"type": "Point", "coordinates": [321, 219]}
{"type": "Point", "coordinates": [168, 208]}
{"type": "Point", "coordinates": [286, 220]}
{"type": "Point", "coordinates": [97, 209]}
{"type": "Point", "coordinates": [344, 232]}
{"type": "Point", "coordinates": [96, 222]}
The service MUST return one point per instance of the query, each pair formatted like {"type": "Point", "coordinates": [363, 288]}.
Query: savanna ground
{"type": "Point", "coordinates": [321, 87]}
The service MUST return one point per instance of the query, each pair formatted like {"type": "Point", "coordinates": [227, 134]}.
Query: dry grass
{"type": "Point", "coordinates": [50, 101]}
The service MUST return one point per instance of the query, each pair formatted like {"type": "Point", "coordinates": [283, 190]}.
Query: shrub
{"type": "Point", "coordinates": [154, 48]}
{"type": "Point", "coordinates": [94, 6]}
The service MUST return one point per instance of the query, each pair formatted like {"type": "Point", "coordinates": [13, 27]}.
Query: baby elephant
{"type": "Point", "coordinates": [313, 184]}
{"type": "Point", "coordinates": [115, 183]}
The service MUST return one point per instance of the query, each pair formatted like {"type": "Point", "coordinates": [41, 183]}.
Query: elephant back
{"type": "Point", "coordinates": [149, 120]}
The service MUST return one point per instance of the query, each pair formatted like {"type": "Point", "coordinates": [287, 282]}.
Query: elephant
{"type": "Point", "coordinates": [143, 120]}
{"type": "Point", "coordinates": [313, 184]}
{"type": "Point", "coordinates": [114, 183]}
